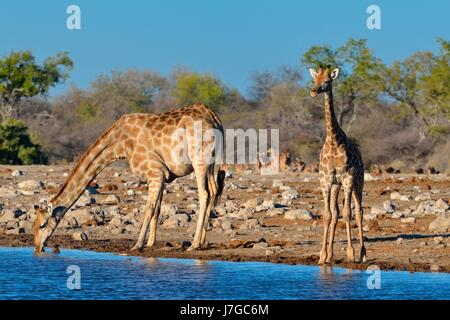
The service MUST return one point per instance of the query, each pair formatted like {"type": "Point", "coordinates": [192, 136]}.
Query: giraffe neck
{"type": "Point", "coordinates": [99, 155]}
{"type": "Point", "coordinates": [334, 132]}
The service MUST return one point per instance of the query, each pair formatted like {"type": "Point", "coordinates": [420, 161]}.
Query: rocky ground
{"type": "Point", "coordinates": [260, 218]}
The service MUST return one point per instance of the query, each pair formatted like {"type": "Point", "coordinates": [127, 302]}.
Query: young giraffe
{"type": "Point", "coordinates": [340, 165]}
{"type": "Point", "coordinates": [155, 146]}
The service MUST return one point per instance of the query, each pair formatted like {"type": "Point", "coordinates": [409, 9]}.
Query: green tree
{"type": "Point", "coordinates": [21, 77]}
{"type": "Point", "coordinates": [191, 87]}
{"type": "Point", "coordinates": [421, 84]}
{"type": "Point", "coordinates": [359, 80]}
{"type": "Point", "coordinates": [16, 146]}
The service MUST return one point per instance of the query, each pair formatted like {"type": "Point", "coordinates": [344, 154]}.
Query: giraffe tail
{"type": "Point", "coordinates": [220, 184]}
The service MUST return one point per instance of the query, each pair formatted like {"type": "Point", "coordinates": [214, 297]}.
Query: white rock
{"type": "Point", "coordinates": [17, 173]}
{"type": "Point", "coordinates": [252, 203]}
{"type": "Point", "coordinates": [440, 224]}
{"type": "Point", "coordinates": [242, 214]}
{"type": "Point", "coordinates": [82, 216]}
{"type": "Point", "coordinates": [389, 206]}
{"type": "Point", "coordinates": [30, 184]}
{"type": "Point", "coordinates": [423, 197]}
{"type": "Point", "coordinates": [368, 177]}
{"type": "Point", "coordinates": [79, 236]}
{"type": "Point", "coordinates": [250, 224]}
{"type": "Point", "coordinates": [112, 199]}
{"type": "Point", "coordinates": [275, 212]}
{"type": "Point", "coordinates": [441, 205]}
{"type": "Point", "coordinates": [298, 214]}
{"type": "Point", "coordinates": [290, 194]}
{"type": "Point", "coordinates": [169, 209]}
{"type": "Point", "coordinates": [408, 220]}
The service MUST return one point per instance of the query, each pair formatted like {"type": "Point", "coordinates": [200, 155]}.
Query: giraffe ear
{"type": "Point", "coordinates": [313, 72]}
{"type": "Point", "coordinates": [335, 73]}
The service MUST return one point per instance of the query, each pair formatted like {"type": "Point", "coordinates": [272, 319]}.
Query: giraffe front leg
{"type": "Point", "coordinates": [347, 214]}
{"type": "Point", "coordinates": [326, 216]}
{"type": "Point", "coordinates": [357, 198]}
{"type": "Point", "coordinates": [200, 173]}
{"type": "Point", "coordinates": [334, 218]}
{"type": "Point", "coordinates": [155, 186]}
{"type": "Point", "coordinates": [154, 222]}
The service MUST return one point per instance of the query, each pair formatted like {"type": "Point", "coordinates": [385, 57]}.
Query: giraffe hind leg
{"type": "Point", "coordinates": [357, 198]}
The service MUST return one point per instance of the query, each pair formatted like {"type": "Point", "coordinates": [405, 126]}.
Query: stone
{"type": "Point", "coordinates": [277, 183]}
{"type": "Point", "coordinates": [408, 220]}
{"type": "Point", "coordinates": [252, 203]}
{"type": "Point", "coordinates": [117, 231]}
{"type": "Point", "coordinates": [79, 236]}
{"type": "Point", "coordinates": [438, 240]}
{"type": "Point", "coordinates": [30, 184]}
{"type": "Point", "coordinates": [231, 206]}
{"type": "Point", "coordinates": [82, 216]}
{"type": "Point", "coordinates": [112, 199]}
{"type": "Point", "coordinates": [228, 174]}
{"type": "Point", "coordinates": [368, 177]}
{"type": "Point", "coordinates": [84, 200]}
{"type": "Point", "coordinates": [440, 224]}
{"type": "Point", "coordinates": [17, 173]}
{"type": "Point", "coordinates": [423, 197]}
{"type": "Point", "coordinates": [168, 209]}
{"type": "Point", "coordinates": [290, 195]}
{"type": "Point", "coordinates": [398, 215]}
{"type": "Point", "coordinates": [395, 195]}
{"type": "Point", "coordinates": [7, 215]}
{"type": "Point", "coordinates": [225, 224]}
{"type": "Point", "coordinates": [26, 225]}
{"type": "Point", "coordinates": [12, 224]}
{"type": "Point", "coordinates": [242, 214]}
{"type": "Point", "coordinates": [177, 220]}
{"type": "Point", "coordinates": [441, 205]}
{"type": "Point", "coordinates": [435, 268]}
{"type": "Point", "coordinates": [399, 241]}
{"type": "Point", "coordinates": [378, 211]}
{"type": "Point", "coordinates": [301, 214]}
{"type": "Point", "coordinates": [275, 212]}
{"type": "Point", "coordinates": [15, 231]}
{"type": "Point", "coordinates": [405, 198]}
{"type": "Point", "coordinates": [261, 245]}
{"type": "Point", "coordinates": [389, 206]}
{"type": "Point", "coordinates": [266, 205]}
{"type": "Point", "coordinates": [250, 224]}
{"type": "Point", "coordinates": [131, 192]}
{"type": "Point", "coordinates": [18, 213]}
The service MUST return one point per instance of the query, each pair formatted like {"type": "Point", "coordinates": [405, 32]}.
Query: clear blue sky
{"type": "Point", "coordinates": [229, 38]}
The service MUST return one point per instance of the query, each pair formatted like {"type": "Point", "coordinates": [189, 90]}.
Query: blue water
{"type": "Point", "coordinates": [110, 276]}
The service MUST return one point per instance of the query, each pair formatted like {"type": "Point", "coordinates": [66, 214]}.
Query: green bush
{"type": "Point", "coordinates": [16, 146]}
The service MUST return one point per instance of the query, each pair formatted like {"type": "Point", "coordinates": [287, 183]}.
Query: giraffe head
{"type": "Point", "coordinates": [323, 79]}
{"type": "Point", "coordinates": [46, 221]}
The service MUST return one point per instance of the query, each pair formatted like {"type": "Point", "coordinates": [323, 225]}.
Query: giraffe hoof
{"type": "Point", "coordinates": [192, 248]}
{"type": "Point", "coordinates": [136, 248]}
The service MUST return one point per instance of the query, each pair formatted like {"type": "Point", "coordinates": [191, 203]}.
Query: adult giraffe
{"type": "Point", "coordinates": [160, 148]}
